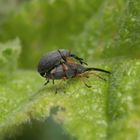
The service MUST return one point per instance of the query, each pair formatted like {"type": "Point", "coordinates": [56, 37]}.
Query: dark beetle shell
{"type": "Point", "coordinates": [72, 70]}
{"type": "Point", "coordinates": [55, 58]}
{"type": "Point", "coordinates": [51, 60]}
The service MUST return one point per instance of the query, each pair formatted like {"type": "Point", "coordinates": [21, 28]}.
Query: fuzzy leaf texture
{"type": "Point", "coordinates": [106, 34]}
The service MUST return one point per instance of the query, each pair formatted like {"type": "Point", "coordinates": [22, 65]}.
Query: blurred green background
{"type": "Point", "coordinates": [105, 33]}
{"type": "Point", "coordinates": [93, 29]}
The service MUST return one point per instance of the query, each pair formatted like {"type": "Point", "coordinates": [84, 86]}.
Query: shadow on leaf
{"type": "Point", "coordinates": [43, 130]}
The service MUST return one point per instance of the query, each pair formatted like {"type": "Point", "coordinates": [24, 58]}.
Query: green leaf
{"type": "Point", "coordinates": [9, 53]}
{"type": "Point", "coordinates": [107, 110]}
{"type": "Point", "coordinates": [104, 31]}
{"type": "Point", "coordinates": [127, 40]}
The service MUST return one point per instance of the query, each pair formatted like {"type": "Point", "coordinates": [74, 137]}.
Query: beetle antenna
{"type": "Point", "coordinates": [97, 69]}
{"type": "Point", "coordinates": [46, 82]}
{"type": "Point", "coordinates": [100, 77]}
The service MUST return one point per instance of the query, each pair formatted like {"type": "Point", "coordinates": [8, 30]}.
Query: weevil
{"type": "Point", "coordinates": [72, 70]}
{"type": "Point", "coordinates": [54, 58]}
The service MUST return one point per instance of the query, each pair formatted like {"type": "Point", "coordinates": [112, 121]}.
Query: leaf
{"type": "Point", "coordinates": [127, 40]}
{"type": "Point", "coordinates": [96, 113]}
{"type": "Point", "coordinates": [108, 110]}
{"type": "Point", "coordinates": [9, 54]}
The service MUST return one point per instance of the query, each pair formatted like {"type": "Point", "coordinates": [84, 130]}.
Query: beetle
{"type": "Point", "coordinates": [71, 70]}
{"type": "Point", "coordinates": [54, 58]}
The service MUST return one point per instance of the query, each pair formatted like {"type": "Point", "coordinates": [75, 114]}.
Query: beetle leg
{"type": "Point", "coordinates": [64, 78]}
{"type": "Point", "coordinates": [87, 85]}
{"type": "Point", "coordinates": [62, 55]}
{"type": "Point", "coordinates": [56, 91]}
{"type": "Point", "coordinates": [82, 76]}
{"type": "Point", "coordinates": [46, 82]}
{"type": "Point", "coordinates": [53, 73]}
{"type": "Point", "coordinates": [79, 59]}
{"type": "Point", "coordinates": [100, 77]}
{"type": "Point", "coordinates": [60, 87]}
{"type": "Point", "coordinates": [70, 60]}
{"type": "Point", "coordinates": [82, 62]}
{"type": "Point", "coordinates": [53, 81]}
{"type": "Point", "coordinates": [65, 68]}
